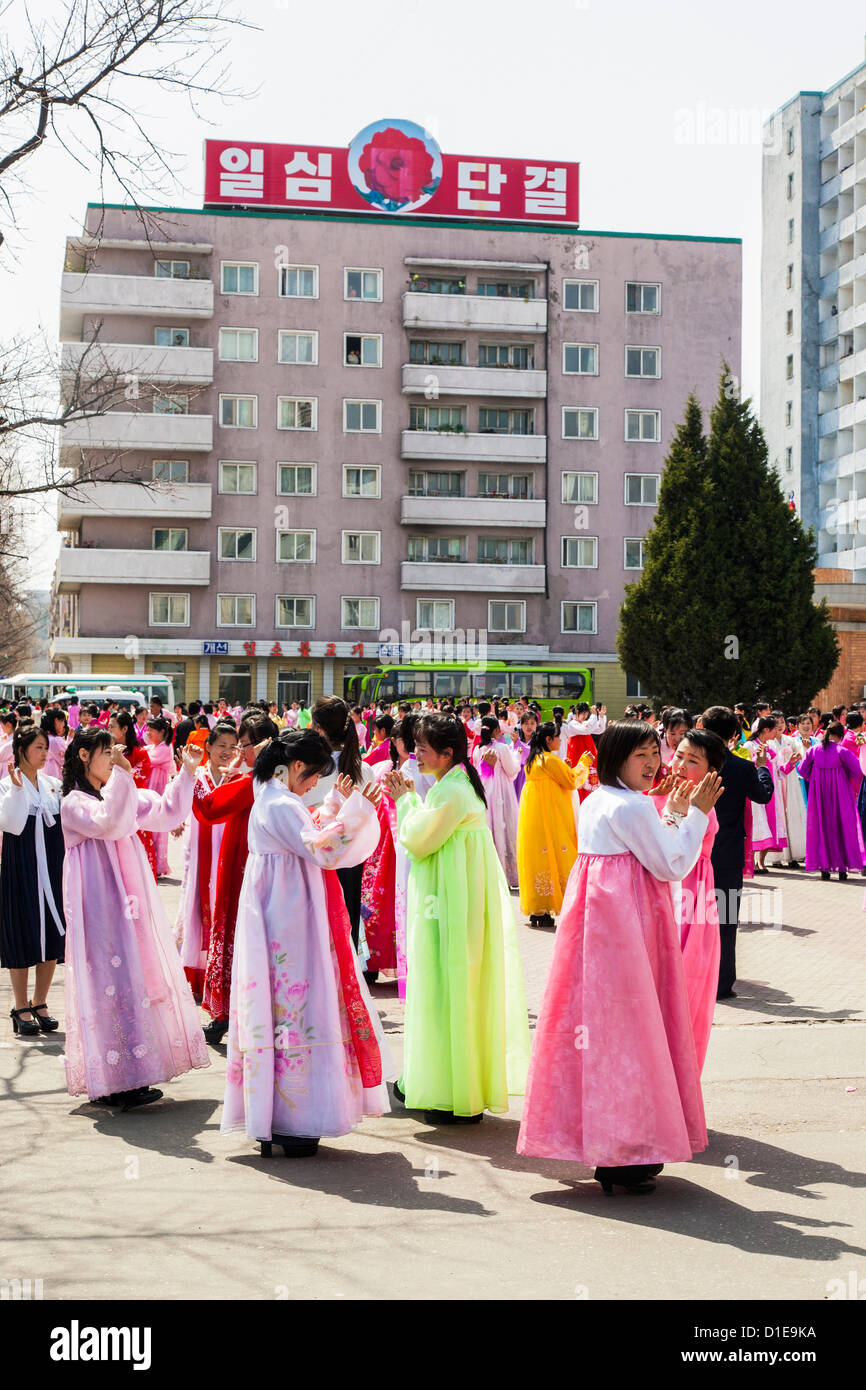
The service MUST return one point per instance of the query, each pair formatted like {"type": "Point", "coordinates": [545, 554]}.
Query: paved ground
{"type": "Point", "coordinates": [155, 1204]}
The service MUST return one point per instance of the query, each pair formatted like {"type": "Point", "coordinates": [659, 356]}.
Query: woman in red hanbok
{"type": "Point", "coordinates": [192, 928]}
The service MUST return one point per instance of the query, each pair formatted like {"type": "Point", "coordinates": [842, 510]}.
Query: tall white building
{"type": "Point", "coordinates": [813, 332]}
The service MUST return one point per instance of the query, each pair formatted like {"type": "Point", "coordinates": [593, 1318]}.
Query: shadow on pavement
{"type": "Point", "coordinates": [170, 1127]}
{"type": "Point", "coordinates": [757, 996]}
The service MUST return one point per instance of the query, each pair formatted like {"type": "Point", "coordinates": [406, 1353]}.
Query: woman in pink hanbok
{"type": "Point", "coordinates": [768, 822]}
{"type": "Point", "coordinates": [403, 760]}
{"type": "Point", "coordinates": [130, 1017]}
{"type": "Point", "coordinates": [159, 751]}
{"type": "Point", "coordinates": [498, 765]}
{"type": "Point", "coordinates": [614, 1079]}
{"type": "Point", "coordinates": [306, 1051]}
{"type": "Point", "coordinates": [56, 729]}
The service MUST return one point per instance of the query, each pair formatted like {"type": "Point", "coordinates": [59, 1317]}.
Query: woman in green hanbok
{"type": "Point", "coordinates": [466, 1026]}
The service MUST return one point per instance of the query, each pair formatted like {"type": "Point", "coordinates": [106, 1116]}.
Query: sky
{"type": "Point", "coordinates": [662, 104]}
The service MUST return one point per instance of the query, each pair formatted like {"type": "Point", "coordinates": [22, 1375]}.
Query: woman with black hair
{"type": "Point", "coordinates": [161, 758]}
{"type": "Point", "coordinates": [121, 726]}
{"type": "Point", "coordinates": [547, 833]}
{"type": "Point", "coordinates": [675, 722]}
{"type": "Point", "coordinates": [55, 728]}
{"type": "Point", "coordinates": [32, 926]}
{"type": "Point", "coordinates": [498, 764]}
{"type": "Point", "coordinates": [614, 1079]}
{"type": "Point", "coordinates": [466, 1027]}
{"type": "Point", "coordinates": [768, 822]}
{"type": "Point", "coordinates": [305, 1048]}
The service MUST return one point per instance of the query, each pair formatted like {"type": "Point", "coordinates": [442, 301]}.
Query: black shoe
{"type": "Point", "coordinates": [371, 976]}
{"type": "Point", "coordinates": [792, 864]}
{"type": "Point", "coordinates": [535, 919]}
{"type": "Point", "coordinates": [292, 1145]}
{"type": "Point", "coordinates": [144, 1095]}
{"type": "Point", "coordinates": [547, 921]}
{"type": "Point", "coordinates": [843, 877]}
{"type": "Point", "coordinates": [637, 1179]}
{"type": "Point", "coordinates": [46, 1022]}
{"type": "Point", "coordinates": [731, 994]}
{"type": "Point", "coordinates": [27, 1027]}
{"type": "Point", "coordinates": [447, 1117]}
{"type": "Point", "coordinates": [401, 1095]}
{"type": "Point", "coordinates": [215, 1031]}
{"type": "Point", "coordinates": [825, 875]}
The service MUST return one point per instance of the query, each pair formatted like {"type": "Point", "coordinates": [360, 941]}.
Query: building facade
{"type": "Point", "coordinates": [356, 427]}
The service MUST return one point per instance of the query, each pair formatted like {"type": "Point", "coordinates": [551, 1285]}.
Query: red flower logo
{"type": "Point", "coordinates": [397, 166]}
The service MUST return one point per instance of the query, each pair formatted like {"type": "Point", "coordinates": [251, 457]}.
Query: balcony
{"type": "Point", "coordinates": [473, 381]}
{"type": "Point", "coordinates": [119, 430]}
{"type": "Point", "coordinates": [185, 365]}
{"type": "Point", "coordinates": [854, 413]}
{"type": "Point", "coordinates": [130, 294]}
{"type": "Point", "coordinates": [77, 565]}
{"type": "Point", "coordinates": [462, 447]}
{"type": "Point", "coordinates": [828, 423]}
{"type": "Point", "coordinates": [512, 512]}
{"type": "Point", "coordinates": [478, 313]}
{"type": "Point", "coordinates": [191, 501]}
{"type": "Point", "coordinates": [472, 578]}
{"type": "Point", "coordinates": [852, 365]}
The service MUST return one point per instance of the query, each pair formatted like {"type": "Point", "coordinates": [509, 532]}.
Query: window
{"type": "Point", "coordinates": [431, 354]}
{"type": "Point", "coordinates": [359, 613]}
{"type": "Point", "coordinates": [297, 349]}
{"type": "Point", "coordinates": [447, 549]}
{"type": "Point", "coordinates": [790, 230]}
{"type": "Point", "coordinates": [296, 413]}
{"type": "Point", "coordinates": [362, 482]}
{"type": "Point", "coordinates": [506, 615]}
{"type": "Point", "coordinates": [293, 685]}
{"type": "Point", "coordinates": [789, 412]}
{"type": "Point", "coordinates": [169, 610]}
{"type": "Point", "coordinates": [507, 289]}
{"type": "Point", "coordinates": [171, 270]}
{"type": "Point", "coordinates": [363, 284]}
{"type": "Point", "coordinates": [643, 425]}
{"type": "Point", "coordinates": [177, 671]}
{"type": "Point", "coordinates": [641, 298]}
{"type": "Point", "coordinates": [581, 295]}
{"type": "Point", "coordinates": [239, 277]}
{"type": "Point", "coordinates": [578, 617]}
{"type": "Point", "coordinates": [580, 359]}
{"type": "Point", "coordinates": [506, 355]}
{"type": "Point", "coordinates": [634, 554]}
{"type": "Point", "coordinates": [791, 140]}
{"type": "Point", "coordinates": [171, 337]}
{"type": "Point", "coordinates": [361, 417]}
{"type": "Point", "coordinates": [361, 547]}
{"type": "Point", "coordinates": [789, 369]}
{"type": "Point", "coordinates": [435, 614]}
{"type": "Point", "coordinates": [299, 281]}
{"type": "Point", "coordinates": [362, 351]}
{"type": "Point", "coordinates": [580, 488]}
{"type": "Point", "coordinates": [426, 284]}
{"type": "Point", "coordinates": [238, 477]}
{"type": "Point", "coordinates": [428, 484]}
{"type": "Point", "coordinates": [235, 682]}
{"type": "Point", "coordinates": [789, 321]}
{"type": "Point", "coordinates": [296, 479]}
{"type": "Point", "coordinates": [239, 412]}
{"type": "Point", "coordinates": [236, 610]}
{"type": "Point", "coordinates": [580, 552]}
{"type": "Point", "coordinates": [438, 417]}
{"type": "Point", "coordinates": [236, 544]}
{"type": "Point", "coordinates": [170, 471]}
{"type": "Point", "coordinates": [296, 547]}
{"type": "Point", "coordinates": [789, 278]}
{"type": "Point", "coordinates": [239, 344]}
{"type": "Point", "coordinates": [579, 424]}
{"type": "Point", "coordinates": [505, 421]}
{"type": "Point", "coordinates": [506, 485]}
{"type": "Point", "coordinates": [493, 550]}
{"type": "Point", "coordinates": [170, 404]}
{"type": "Point", "coordinates": [790, 186]}
{"type": "Point", "coordinates": [789, 460]}
{"type": "Point", "coordinates": [641, 361]}
{"type": "Point", "coordinates": [295, 612]}
{"type": "Point", "coordinates": [642, 489]}
{"type": "Point", "coordinates": [170, 538]}
{"type": "Point", "coordinates": [634, 690]}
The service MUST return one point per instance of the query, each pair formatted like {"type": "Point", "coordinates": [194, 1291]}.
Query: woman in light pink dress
{"type": "Point", "coordinates": [768, 822]}
{"type": "Point", "coordinates": [159, 751]}
{"type": "Point", "coordinates": [56, 729]}
{"type": "Point", "coordinates": [498, 765]}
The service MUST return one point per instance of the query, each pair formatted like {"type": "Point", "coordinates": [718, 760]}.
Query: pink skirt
{"type": "Point", "coordinates": [614, 1078]}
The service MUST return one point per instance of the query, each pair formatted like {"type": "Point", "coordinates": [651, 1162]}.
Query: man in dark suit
{"type": "Point", "coordinates": [743, 780]}
{"type": "Point", "coordinates": [185, 727]}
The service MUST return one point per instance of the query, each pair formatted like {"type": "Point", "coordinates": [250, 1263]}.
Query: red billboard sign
{"type": "Point", "coordinates": [391, 167]}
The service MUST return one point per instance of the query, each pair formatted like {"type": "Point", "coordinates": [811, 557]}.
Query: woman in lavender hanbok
{"type": "Point", "coordinates": [306, 1052]}
{"type": "Point", "coordinates": [130, 1016]}
{"type": "Point", "coordinates": [498, 765]}
{"type": "Point", "coordinates": [833, 838]}
{"type": "Point", "coordinates": [768, 822]}
{"type": "Point", "coordinates": [159, 752]}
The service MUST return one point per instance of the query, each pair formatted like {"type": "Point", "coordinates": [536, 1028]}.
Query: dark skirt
{"type": "Point", "coordinates": [20, 941]}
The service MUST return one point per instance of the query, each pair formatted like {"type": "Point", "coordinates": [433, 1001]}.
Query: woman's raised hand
{"type": "Point", "coordinates": [190, 757]}
{"type": "Point", "coordinates": [707, 792]}
{"type": "Point", "coordinates": [118, 757]}
{"type": "Point", "coordinates": [15, 775]}
{"type": "Point", "coordinates": [395, 784]}
{"type": "Point", "coordinates": [665, 786]}
{"type": "Point", "coordinates": [372, 793]}
{"type": "Point", "coordinates": [344, 784]}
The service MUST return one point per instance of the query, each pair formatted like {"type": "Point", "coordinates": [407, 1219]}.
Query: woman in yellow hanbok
{"type": "Point", "coordinates": [547, 832]}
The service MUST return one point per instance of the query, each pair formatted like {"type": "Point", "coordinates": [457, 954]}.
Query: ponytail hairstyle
{"type": "Point", "coordinates": [332, 718]}
{"type": "Point", "coordinates": [24, 735]}
{"type": "Point", "coordinates": [258, 727]}
{"type": "Point", "coordinates": [538, 740]}
{"type": "Point", "coordinates": [306, 746]}
{"type": "Point", "coordinates": [9, 717]}
{"type": "Point", "coordinates": [162, 724]}
{"type": "Point", "coordinates": [558, 716]}
{"type": "Point", "coordinates": [489, 725]}
{"type": "Point", "coordinates": [404, 729]}
{"type": "Point", "coordinates": [765, 722]}
{"type": "Point", "coordinates": [91, 740]}
{"type": "Point", "coordinates": [48, 721]}
{"type": "Point", "coordinates": [126, 722]}
{"type": "Point", "coordinates": [445, 734]}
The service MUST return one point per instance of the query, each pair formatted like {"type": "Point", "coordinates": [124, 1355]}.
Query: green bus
{"type": "Point", "coordinates": [549, 684]}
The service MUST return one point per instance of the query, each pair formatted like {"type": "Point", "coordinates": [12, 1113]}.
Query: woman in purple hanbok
{"type": "Point", "coordinates": [498, 765]}
{"type": "Point", "coordinates": [833, 775]}
{"type": "Point", "coordinates": [130, 1016]}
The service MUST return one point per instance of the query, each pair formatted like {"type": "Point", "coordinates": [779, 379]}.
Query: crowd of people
{"type": "Point", "coordinates": [328, 848]}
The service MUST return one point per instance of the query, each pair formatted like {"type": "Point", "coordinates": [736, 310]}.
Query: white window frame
{"type": "Point", "coordinates": [221, 355]}
{"type": "Point", "coordinates": [241, 265]}
{"type": "Point", "coordinates": [565, 370]}
{"type": "Point", "coordinates": [360, 270]}
{"type": "Point", "coordinates": [300, 429]}
{"type": "Point", "coordinates": [642, 348]}
{"type": "Point", "coordinates": [579, 473]}
{"type": "Point", "coordinates": [166, 328]}
{"type": "Point", "coordinates": [363, 496]}
{"type": "Point", "coordinates": [170, 551]}
{"type": "Point", "coordinates": [235, 396]}
{"type": "Point", "coordinates": [219, 621]}
{"type": "Point", "coordinates": [353, 400]}
{"type": "Point", "coordinates": [449, 627]}
{"type": "Point", "coordinates": [577, 538]}
{"type": "Point", "coordinates": [632, 540]}
{"type": "Point", "coordinates": [170, 623]}
{"type": "Point", "coordinates": [298, 265]}
{"type": "Point", "coordinates": [169, 482]}
{"type": "Point", "coordinates": [360, 627]}
{"type": "Point", "coordinates": [290, 463]}
{"type": "Point", "coordinates": [296, 333]}
{"type": "Point", "coordinates": [572, 281]}
{"type": "Point", "coordinates": [168, 396]}
{"type": "Point", "coordinates": [295, 531]}
{"type": "Point", "coordinates": [520, 602]}
{"type": "Point", "coordinates": [168, 260]}
{"type": "Point", "coordinates": [296, 627]}
{"type": "Point", "coordinates": [237, 463]}
{"type": "Point", "coordinates": [637, 410]}
{"type": "Point", "coordinates": [626, 476]}
{"type": "Point", "coordinates": [351, 532]}
{"type": "Point", "coordinates": [584, 438]}
{"type": "Point", "coordinates": [654, 284]}
{"type": "Point", "coordinates": [354, 365]}
{"type": "Point", "coordinates": [579, 631]}
{"type": "Point", "coordinates": [236, 559]}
